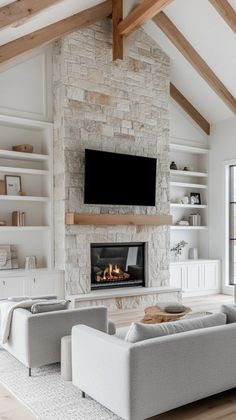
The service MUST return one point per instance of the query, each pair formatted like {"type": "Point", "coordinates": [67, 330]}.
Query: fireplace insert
{"type": "Point", "coordinates": [117, 265]}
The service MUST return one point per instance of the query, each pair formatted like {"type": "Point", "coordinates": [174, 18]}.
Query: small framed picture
{"type": "Point", "coordinates": [195, 198]}
{"type": "Point", "coordinates": [12, 185]}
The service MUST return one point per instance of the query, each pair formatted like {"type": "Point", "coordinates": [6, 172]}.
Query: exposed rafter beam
{"type": "Point", "coordinates": [117, 16]}
{"type": "Point", "coordinates": [56, 30]}
{"type": "Point", "coordinates": [226, 11]}
{"type": "Point", "coordinates": [19, 11]}
{"type": "Point", "coordinates": [189, 109]}
{"type": "Point", "coordinates": [181, 43]}
{"type": "Point", "coordinates": [140, 15]}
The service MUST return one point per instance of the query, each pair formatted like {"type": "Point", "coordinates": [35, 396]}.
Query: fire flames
{"type": "Point", "coordinates": [112, 273]}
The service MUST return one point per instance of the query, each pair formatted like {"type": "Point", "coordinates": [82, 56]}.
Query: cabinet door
{"type": "Point", "coordinates": [12, 286]}
{"type": "Point", "coordinates": [42, 285]}
{"type": "Point", "coordinates": [176, 277]}
{"type": "Point", "coordinates": [193, 277]}
{"type": "Point", "coordinates": [211, 276]}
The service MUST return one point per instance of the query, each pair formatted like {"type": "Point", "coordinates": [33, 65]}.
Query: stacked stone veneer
{"type": "Point", "coordinates": [112, 106]}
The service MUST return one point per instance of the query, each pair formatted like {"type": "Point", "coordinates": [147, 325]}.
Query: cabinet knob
{"type": "Point", "coordinates": [34, 280]}
{"type": "Point", "coordinates": [4, 283]}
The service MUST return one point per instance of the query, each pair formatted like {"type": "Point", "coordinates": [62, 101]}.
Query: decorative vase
{"type": "Point", "coordinates": [177, 257]}
{"type": "Point", "coordinates": [173, 166]}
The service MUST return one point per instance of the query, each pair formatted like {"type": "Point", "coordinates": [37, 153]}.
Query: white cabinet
{"type": "Point", "coordinates": [196, 277]}
{"type": "Point", "coordinates": [35, 283]}
{"type": "Point", "coordinates": [12, 286]}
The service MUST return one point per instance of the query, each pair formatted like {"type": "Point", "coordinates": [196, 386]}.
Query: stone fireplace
{"type": "Point", "coordinates": [120, 107]}
{"type": "Point", "coordinates": [117, 265]}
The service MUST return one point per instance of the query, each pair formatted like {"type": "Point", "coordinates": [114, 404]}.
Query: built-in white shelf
{"type": "Point", "coordinates": [27, 171]}
{"type": "Point", "coordinates": [188, 149]}
{"type": "Point", "coordinates": [36, 171]}
{"type": "Point", "coordinates": [24, 122]}
{"type": "Point", "coordinates": [24, 228]}
{"type": "Point", "coordinates": [176, 227]}
{"type": "Point", "coordinates": [188, 185]}
{"type": "Point", "coordinates": [188, 206]}
{"type": "Point", "coordinates": [10, 154]}
{"type": "Point", "coordinates": [188, 173]}
{"type": "Point", "coordinates": [23, 198]}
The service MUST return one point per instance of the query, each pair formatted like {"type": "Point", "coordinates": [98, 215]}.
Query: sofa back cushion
{"type": "Point", "coordinates": [49, 306]}
{"type": "Point", "coordinates": [139, 332]}
{"type": "Point", "coordinates": [230, 311]}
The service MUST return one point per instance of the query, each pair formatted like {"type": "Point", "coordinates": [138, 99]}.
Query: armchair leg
{"type": "Point", "coordinates": [29, 371]}
{"type": "Point", "coordinates": [83, 394]}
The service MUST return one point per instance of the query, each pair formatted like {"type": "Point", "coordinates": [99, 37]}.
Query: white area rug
{"type": "Point", "coordinates": [46, 394]}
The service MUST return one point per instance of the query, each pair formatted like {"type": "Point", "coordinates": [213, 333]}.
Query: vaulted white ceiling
{"type": "Point", "coordinates": [198, 21]}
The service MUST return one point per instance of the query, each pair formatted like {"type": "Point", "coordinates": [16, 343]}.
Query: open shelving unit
{"type": "Point", "coordinates": [35, 238]}
{"type": "Point", "coordinates": [182, 183]}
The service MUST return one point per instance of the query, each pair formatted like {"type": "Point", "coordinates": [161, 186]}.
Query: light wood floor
{"type": "Point", "coordinates": [221, 406]}
{"type": "Point", "coordinates": [11, 408]}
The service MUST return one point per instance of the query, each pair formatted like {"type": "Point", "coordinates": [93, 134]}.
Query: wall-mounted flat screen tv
{"type": "Point", "coordinates": [119, 179]}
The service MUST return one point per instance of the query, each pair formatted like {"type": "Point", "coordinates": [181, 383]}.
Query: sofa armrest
{"type": "Point", "coordinates": [101, 368]}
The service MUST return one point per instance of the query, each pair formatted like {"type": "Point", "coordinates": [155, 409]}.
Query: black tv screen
{"type": "Point", "coordinates": [119, 179]}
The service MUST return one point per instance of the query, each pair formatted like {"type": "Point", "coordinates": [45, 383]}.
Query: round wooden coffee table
{"type": "Point", "coordinates": [155, 315]}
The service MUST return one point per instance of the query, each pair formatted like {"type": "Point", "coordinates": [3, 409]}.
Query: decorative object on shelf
{"type": "Point", "coordinates": [5, 257]}
{"type": "Point", "coordinates": [2, 223]}
{"type": "Point", "coordinates": [30, 262]}
{"type": "Point", "coordinates": [24, 148]}
{"type": "Point", "coordinates": [193, 253]}
{"type": "Point", "coordinates": [185, 200]}
{"type": "Point", "coordinates": [182, 223]}
{"type": "Point", "coordinates": [188, 168]}
{"type": "Point", "coordinates": [195, 219]}
{"type": "Point", "coordinates": [195, 198]}
{"type": "Point", "coordinates": [173, 166]}
{"type": "Point", "coordinates": [18, 218]}
{"type": "Point", "coordinates": [178, 248]}
{"type": "Point", "coordinates": [13, 184]}
{"type": "Point", "coordinates": [2, 187]}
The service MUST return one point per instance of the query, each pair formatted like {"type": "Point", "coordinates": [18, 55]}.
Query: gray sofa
{"type": "Point", "coordinates": [35, 339]}
{"type": "Point", "coordinates": [141, 380]}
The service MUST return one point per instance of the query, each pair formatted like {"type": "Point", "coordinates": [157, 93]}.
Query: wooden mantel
{"type": "Point", "coordinates": [117, 219]}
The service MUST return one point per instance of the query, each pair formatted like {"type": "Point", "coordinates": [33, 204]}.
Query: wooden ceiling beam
{"type": "Point", "coordinates": [117, 16]}
{"type": "Point", "coordinates": [226, 11]}
{"type": "Point", "coordinates": [140, 15]}
{"type": "Point", "coordinates": [189, 109]}
{"type": "Point", "coordinates": [56, 30]}
{"type": "Point", "coordinates": [186, 49]}
{"type": "Point", "coordinates": [16, 13]}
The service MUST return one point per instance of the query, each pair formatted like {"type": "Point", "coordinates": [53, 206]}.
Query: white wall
{"type": "Point", "coordinates": [223, 148]}
{"type": "Point", "coordinates": [25, 85]}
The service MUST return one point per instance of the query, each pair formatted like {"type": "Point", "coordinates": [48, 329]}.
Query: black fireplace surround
{"type": "Point", "coordinates": [117, 265]}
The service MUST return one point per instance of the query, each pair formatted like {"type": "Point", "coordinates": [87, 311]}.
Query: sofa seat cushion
{"type": "Point", "coordinates": [139, 332]}
{"type": "Point", "coordinates": [49, 306]}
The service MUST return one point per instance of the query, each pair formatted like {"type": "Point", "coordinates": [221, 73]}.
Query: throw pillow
{"type": "Point", "coordinates": [230, 311]}
{"type": "Point", "coordinates": [49, 306]}
{"type": "Point", "coordinates": [18, 298]}
{"type": "Point", "coordinates": [139, 332]}
{"type": "Point", "coordinates": [44, 297]}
